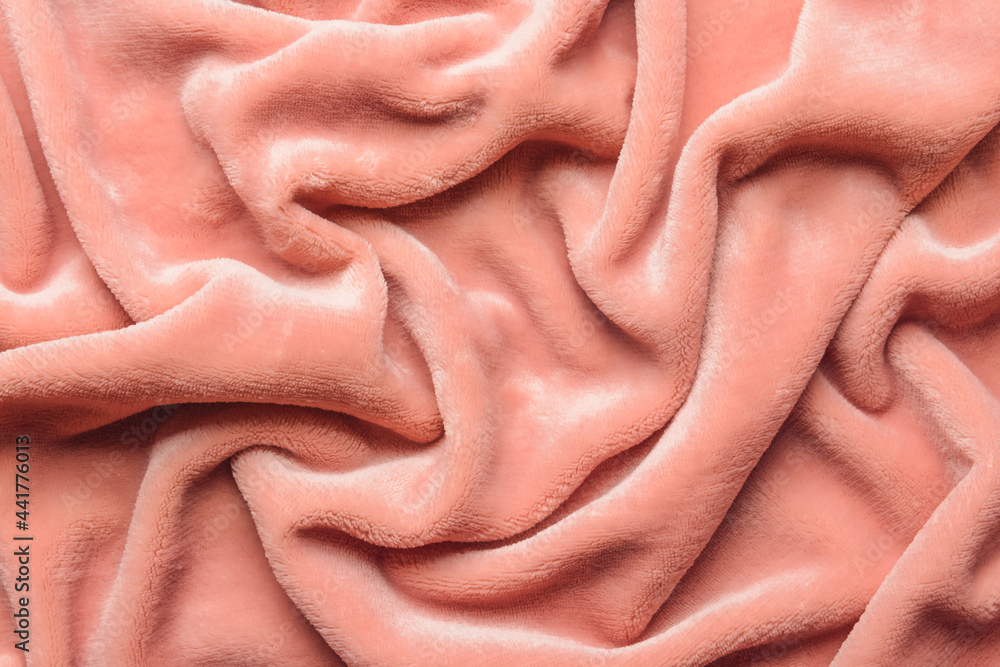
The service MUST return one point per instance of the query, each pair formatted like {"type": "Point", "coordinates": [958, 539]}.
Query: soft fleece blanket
{"type": "Point", "coordinates": [499, 332]}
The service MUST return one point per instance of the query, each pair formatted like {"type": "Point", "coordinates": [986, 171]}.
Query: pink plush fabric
{"type": "Point", "coordinates": [501, 332]}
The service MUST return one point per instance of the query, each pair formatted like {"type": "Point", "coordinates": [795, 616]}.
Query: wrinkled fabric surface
{"type": "Point", "coordinates": [505, 332]}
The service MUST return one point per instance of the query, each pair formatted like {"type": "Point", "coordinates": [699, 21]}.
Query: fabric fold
{"type": "Point", "coordinates": [575, 332]}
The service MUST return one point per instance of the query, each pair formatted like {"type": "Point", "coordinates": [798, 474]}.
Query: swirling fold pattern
{"type": "Point", "coordinates": [502, 332]}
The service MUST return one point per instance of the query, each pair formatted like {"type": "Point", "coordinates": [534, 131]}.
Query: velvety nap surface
{"type": "Point", "coordinates": [502, 332]}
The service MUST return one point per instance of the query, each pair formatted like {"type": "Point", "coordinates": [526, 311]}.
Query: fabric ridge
{"type": "Point", "coordinates": [501, 332]}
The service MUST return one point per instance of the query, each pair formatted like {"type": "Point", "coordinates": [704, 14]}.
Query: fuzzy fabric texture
{"type": "Point", "coordinates": [500, 332]}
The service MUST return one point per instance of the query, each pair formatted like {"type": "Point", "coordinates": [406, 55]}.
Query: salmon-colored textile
{"type": "Point", "coordinates": [500, 332]}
